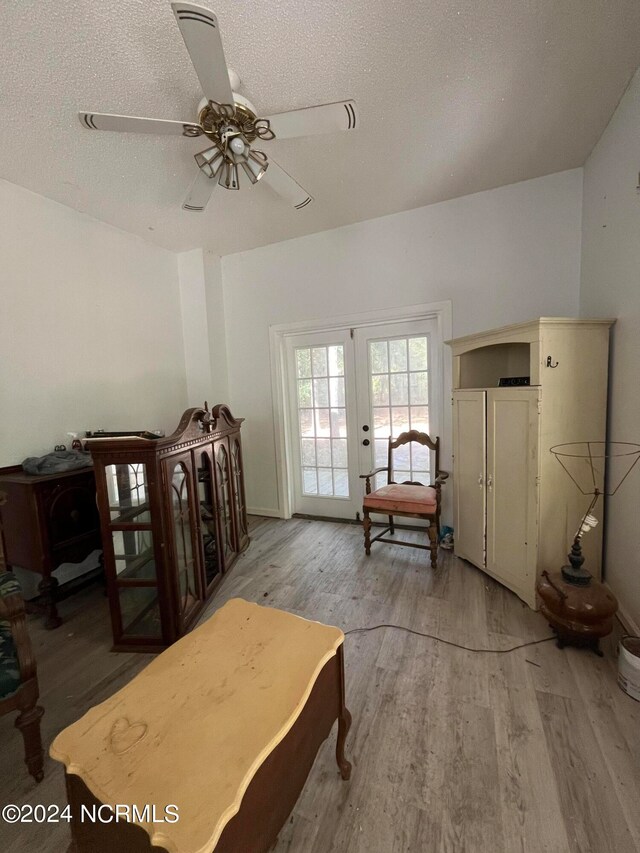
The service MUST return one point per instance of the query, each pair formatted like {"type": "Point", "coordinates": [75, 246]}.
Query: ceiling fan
{"type": "Point", "coordinates": [229, 121]}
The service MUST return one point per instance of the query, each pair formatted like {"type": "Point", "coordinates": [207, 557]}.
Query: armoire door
{"type": "Point", "coordinates": [470, 447]}
{"type": "Point", "coordinates": [512, 471]}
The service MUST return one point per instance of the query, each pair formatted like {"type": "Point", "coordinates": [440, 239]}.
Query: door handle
{"type": "Point", "coordinates": [366, 442]}
{"type": "Point", "coordinates": [481, 480]}
{"type": "Point", "coordinates": [489, 482]}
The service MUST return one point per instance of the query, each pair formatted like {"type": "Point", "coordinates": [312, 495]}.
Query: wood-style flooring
{"type": "Point", "coordinates": [537, 751]}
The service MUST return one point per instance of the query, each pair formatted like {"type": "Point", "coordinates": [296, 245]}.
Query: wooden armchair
{"type": "Point", "coordinates": [18, 680]}
{"type": "Point", "coordinates": [410, 499]}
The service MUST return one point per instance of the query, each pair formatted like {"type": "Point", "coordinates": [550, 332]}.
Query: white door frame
{"type": "Point", "coordinates": [440, 311]}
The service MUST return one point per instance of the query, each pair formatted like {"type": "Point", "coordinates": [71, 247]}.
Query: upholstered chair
{"type": "Point", "coordinates": [409, 499]}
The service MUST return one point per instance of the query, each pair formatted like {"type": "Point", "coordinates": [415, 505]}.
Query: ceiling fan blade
{"type": "Point", "coordinates": [133, 124]}
{"type": "Point", "coordinates": [199, 192]}
{"type": "Point", "coordinates": [201, 34]}
{"type": "Point", "coordinates": [325, 118]}
{"type": "Point", "coordinates": [285, 186]}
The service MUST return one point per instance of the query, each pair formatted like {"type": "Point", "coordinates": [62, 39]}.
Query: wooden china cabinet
{"type": "Point", "coordinates": [173, 519]}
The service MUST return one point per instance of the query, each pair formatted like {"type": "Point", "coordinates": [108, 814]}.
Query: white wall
{"type": "Point", "coordinates": [214, 296]}
{"type": "Point", "coordinates": [195, 328]}
{"type": "Point", "coordinates": [501, 256]}
{"type": "Point", "coordinates": [90, 333]}
{"type": "Point", "coordinates": [202, 306]}
{"type": "Point", "coordinates": [610, 287]}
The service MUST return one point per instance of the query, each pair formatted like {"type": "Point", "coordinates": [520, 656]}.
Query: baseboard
{"type": "Point", "coordinates": [270, 513]}
{"type": "Point", "coordinates": [628, 623]}
{"type": "Point", "coordinates": [305, 516]}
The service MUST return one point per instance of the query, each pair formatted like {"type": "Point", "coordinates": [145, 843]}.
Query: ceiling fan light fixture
{"type": "Point", "coordinates": [210, 161]}
{"type": "Point", "coordinates": [255, 166]}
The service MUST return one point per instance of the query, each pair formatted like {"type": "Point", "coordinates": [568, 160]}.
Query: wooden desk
{"type": "Point", "coordinates": [48, 520]}
{"type": "Point", "coordinates": [225, 725]}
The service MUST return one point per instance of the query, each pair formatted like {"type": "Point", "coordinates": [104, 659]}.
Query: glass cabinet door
{"type": "Point", "coordinates": [209, 528]}
{"type": "Point", "coordinates": [240, 508]}
{"type": "Point", "coordinates": [134, 573]}
{"type": "Point", "coordinates": [225, 506]}
{"type": "Point", "coordinates": [183, 524]}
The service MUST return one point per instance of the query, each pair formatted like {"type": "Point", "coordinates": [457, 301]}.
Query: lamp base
{"type": "Point", "coordinates": [574, 573]}
{"type": "Point", "coordinates": [576, 576]}
{"type": "Point", "coordinates": [579, 614]}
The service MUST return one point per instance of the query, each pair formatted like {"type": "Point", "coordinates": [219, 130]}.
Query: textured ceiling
{"type": "Point", "coordinates": [454, 97]}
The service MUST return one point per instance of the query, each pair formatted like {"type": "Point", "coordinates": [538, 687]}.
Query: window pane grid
{"type": "Point", "coordinates": [322, 417]}
{"type": "Point", "coordinates": [399, 386]}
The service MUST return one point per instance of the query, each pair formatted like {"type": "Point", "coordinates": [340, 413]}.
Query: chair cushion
{"type": "Point", "coordinates": [399, 498]}
{"type": "Point", "coordinates": [9, 666]}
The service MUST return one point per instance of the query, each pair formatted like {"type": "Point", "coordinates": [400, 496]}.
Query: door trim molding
{"type": "Point", "coordinates": [278, 333]}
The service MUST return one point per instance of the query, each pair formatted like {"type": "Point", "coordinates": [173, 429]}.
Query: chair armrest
{"type": "Point", "coordinates": [12, 610]}
{"type": "Point", "coordinates": [367, 477]}
{"type": "Point", "coordinates": [371, 473]}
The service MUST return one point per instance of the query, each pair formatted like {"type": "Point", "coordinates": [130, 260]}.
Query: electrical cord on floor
{"type": "Point", "coordinates": [450, 642]}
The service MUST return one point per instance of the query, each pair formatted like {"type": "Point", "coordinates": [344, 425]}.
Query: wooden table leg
{"type": "Point", "coordinates": [47, 588]}
{"type": "Point", "coordinates": [344, 721]}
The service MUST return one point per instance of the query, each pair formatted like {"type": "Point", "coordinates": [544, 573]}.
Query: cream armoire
{"type": "Point", "coordinates": [516, 510]}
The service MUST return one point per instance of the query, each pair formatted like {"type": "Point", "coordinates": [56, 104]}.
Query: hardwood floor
{"type": "Point", "coordinates": [537, 751]}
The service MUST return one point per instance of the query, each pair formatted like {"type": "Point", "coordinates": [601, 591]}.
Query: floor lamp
{"type": "Point", "coordinates": [579, 608]}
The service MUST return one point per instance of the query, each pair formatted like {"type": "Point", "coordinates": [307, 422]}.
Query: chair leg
{"type": "Point", "coordinates": [433, 544]}
{"type": "Point", "coordinates": [366, 524]}
{"type": "Point", "coordinates": [29, 724]}
{"type": "Point", "coordinates": [392, 529]}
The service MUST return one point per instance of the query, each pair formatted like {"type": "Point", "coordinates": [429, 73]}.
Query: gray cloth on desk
{"type": "Point", "coordinates": [57, 462]}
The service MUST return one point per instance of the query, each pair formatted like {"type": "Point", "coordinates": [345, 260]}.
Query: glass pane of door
{"type": "Point", "coordinates": [322, 418]}
{"type": "Point", "coordinates": [398, 379]}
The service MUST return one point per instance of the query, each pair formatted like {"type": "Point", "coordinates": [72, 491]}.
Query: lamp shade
{"type": "Point", "coordinates": [210, 161]}
{"type": "Point", "coordinates": [255, 166]}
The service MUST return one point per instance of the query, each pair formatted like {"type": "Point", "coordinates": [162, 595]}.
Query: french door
{"type": "Point", "coordinates": [348, 391]}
